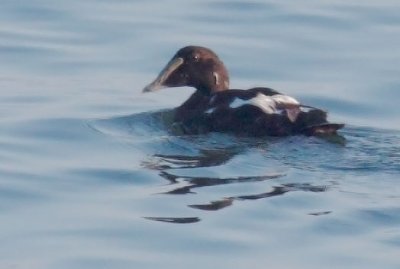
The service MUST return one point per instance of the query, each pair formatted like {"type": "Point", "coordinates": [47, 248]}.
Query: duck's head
{"type": "Point", "coordinates": [193, 66]}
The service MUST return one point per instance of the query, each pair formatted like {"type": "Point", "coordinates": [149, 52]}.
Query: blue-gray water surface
{"type": "Point", "coordinates": [91, 176]}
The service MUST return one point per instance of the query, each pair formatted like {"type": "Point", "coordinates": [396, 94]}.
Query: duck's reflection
{"type": "Point", "coordinates": [198, 182]}
{"type": "Point", "coordinates": [215, 205]}
{"type": "Point", "coordinates": [175, 220]}
{"type": "Point", "coordinates": [204, 158]}
{"type": "Point", "coordinates": [170, 169]}
{"type": "Point", "coordinates": [181, 185]}
{"type": "Point", "coordinates": [276, 191]}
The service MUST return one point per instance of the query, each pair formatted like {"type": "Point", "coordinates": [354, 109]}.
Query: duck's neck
{"type": "Point", "coordinates": [193, 106]}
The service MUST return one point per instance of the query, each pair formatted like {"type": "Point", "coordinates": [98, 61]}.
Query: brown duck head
{"type": "Point", "coordinates": [193, 66]}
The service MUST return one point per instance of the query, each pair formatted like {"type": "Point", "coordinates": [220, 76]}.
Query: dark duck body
{"type": "Point", "coordinates": [213, 107]}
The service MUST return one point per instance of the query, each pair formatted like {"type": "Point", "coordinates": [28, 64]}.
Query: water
{"type": "Point", "coordinates": [90, 177]}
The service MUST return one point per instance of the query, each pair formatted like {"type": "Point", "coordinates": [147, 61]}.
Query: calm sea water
{"type": "Point", "coordinates": [91, 178]}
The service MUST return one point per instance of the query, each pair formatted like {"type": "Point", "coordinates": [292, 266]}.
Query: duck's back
{"type": "Point", "coordinates": [254, 112]}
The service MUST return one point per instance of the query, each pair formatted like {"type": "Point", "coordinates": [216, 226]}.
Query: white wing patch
{"type": "Point", "coordinates": [271, 104]}
{"type": "Point", "coordinates": [283, 100]}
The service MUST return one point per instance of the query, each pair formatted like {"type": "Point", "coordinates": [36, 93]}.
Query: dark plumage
{"type": "Point", "coordinates": [213, 107]}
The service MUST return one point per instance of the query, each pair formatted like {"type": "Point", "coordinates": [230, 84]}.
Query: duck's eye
{"type": "Point", "coordinates": [196, 57]}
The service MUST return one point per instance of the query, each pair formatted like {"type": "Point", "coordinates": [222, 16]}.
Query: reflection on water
{"type": "Point", "coordinates": [190, 182]}
{"type": "Point", "coordinates": [198, 182]}
{"type": "Point", "coordinates": [174, 220]}
{"type": "Point", "coordinates": [205, 158]}
{"type": "Point", "coordinates": [276, 191]}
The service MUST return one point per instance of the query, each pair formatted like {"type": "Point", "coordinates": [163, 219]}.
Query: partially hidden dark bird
{"type": "Point", "coordinates": [214, 107]}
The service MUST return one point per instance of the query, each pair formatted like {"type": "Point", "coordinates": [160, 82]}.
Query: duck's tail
{"type": "Point", "coordinates": [322, 129]}
{"type": "Point", "coordinates": [314, 122]}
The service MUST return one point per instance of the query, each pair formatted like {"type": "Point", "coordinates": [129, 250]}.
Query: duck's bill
{"type": "Point", "coordinates": [159, 82]}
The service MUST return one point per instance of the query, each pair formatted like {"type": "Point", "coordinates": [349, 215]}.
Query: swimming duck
{"type": "Point", "coordinates": [214, 107]}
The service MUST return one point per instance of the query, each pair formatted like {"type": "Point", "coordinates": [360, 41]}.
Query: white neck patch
{"type": "Point", "coordinates": [216, 78]}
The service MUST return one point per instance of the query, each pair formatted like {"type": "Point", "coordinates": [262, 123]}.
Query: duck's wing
{"type": "Point", "coordinates": [264, 90]}
{"type": "Point", "coordinates": [274, 108]}
{"type": "Point", "coordinates": [267, 100]}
